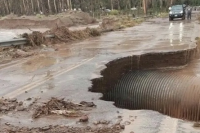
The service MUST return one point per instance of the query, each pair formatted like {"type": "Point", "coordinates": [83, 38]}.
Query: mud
{"type": "Point", "coordinates": [61, 107]}
{"type": "Point", "coordinates": [65, 129]}
{"type": "Point", "coordinates": [8, 105]}
{"type": "Point", "coordinates": [38, 62]}
{"type": "Point", "coordinates": [34, 39]}
{"type": "Point", "coordinates": [40, 21]}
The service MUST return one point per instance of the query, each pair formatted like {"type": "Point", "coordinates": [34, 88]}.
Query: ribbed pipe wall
{"type": "Point", "coordinates": [168, 93]}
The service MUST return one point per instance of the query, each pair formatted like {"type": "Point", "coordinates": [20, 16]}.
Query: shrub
{"type": "Point", "coordinates": [114, 12]}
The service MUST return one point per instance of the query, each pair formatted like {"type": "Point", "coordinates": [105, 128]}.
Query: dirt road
{"type": "Point", "coordinates": [67, 73]}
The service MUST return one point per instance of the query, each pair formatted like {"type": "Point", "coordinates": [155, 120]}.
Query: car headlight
{"type": "Point", "coordinates": [170, 12]}
{"type": "Point", "coordinates": [181, 12]}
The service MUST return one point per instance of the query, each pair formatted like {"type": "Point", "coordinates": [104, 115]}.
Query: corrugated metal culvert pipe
{"type": "Point", "coordinates": [166, 92]}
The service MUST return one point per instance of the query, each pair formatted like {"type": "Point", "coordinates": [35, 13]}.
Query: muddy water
{"type": "Point", "coordinates": [70, 78]}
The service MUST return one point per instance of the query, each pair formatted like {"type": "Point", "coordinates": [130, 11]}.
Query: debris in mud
{"type": "Point", "coordinates": [34, 39]}
{"type": "Point", "coordinates": [63, 129]}
{"type": "Point", "coordinates": [63, 34]}
{"type": "Point", "coordinates": [88, 104]}
{"type": "Point", "coordinates": [67, 113]}
{"type": "Point", "coordinates": [7, 105]}
{"type": "Point", "coordinates": [113, 23]}
{"type": "Point", "coordinates": [61, 107]}
{"type": "Point", "coordinates": [21, 53]}
{"type": "Point", "coordinates": [103, 122]}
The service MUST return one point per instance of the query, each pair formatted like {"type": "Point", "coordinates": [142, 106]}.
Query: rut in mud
{"type": "Point", "coordinates": [138, 82]}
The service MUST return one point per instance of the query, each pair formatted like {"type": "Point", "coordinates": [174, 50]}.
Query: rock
{"type": "Point", "coordinates": [28, 99]}
{"type": "Point", "coordinates": [26, 91]}
{"type": "Point", "coordinates": [4, 108]}
{"type": "Point", "coordinates": [20, 103]}
{"type": "Point", "coordinates": [88, 104]}
{"type": "Point", "coordinates": [104, 122]}
{"type": "Point", "coordinates": [118, 127]}
{"type": "Point", "coordinates": [122, 126]}
{"type": "Point", "coordinates": [119, 116]}
{"type": "Point", "coordinates": [45, 128]}
{"type": "Point", "coordinates": [20, 108]}
{"type": "Point", "coordinates": [96, 122]}
{"type": "Point", "coordinates": [13, 100]}
{"type": "Point", "coordinates": [84, 119]}
{"type": "Point", "coordinates": [7, 123]}
{"type": "Point", "coordinates": [12, 106]}
{"type": "Point", "coordinates": [127, 123]}
{"type": "Point", "coordinates": [43, 45]}
{"type": "Point", "coordinates": [118, 122]}
{"type": "Point", "coordinates": [131, 132]}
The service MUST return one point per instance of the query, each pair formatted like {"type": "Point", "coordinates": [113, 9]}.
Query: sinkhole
{"type": "Point", "coordinates": [145, 82]}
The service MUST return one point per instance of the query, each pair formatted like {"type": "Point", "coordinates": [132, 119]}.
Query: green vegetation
{"type": "Point", "coordinates": [114, 12]}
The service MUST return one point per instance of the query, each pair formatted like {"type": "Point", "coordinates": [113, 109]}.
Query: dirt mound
{"type": "Point", "coordinates": [67, 19]}
{"type": "Point", "coordinates": [63, 34]}
{"type": "Point", "coordinates": [61, 107]}
{"type": "Point", "coordinates": [7, 105]}
{"type": "Point", "coordinates": [113, 23]}
{"type": "Point", "coordinates": [27, 23]}
{"type": "Point", "coordinates": [109, 24]}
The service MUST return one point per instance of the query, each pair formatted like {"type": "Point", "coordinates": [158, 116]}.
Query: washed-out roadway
{"type": "Point", "coordinates": [68, 75]}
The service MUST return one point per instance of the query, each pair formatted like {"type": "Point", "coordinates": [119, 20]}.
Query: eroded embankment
{"type": "Point", "coordinates": [117, 69]}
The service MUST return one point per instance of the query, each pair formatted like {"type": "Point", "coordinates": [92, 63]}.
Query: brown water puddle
{"type": "Point", "coordinates": [38, 62]}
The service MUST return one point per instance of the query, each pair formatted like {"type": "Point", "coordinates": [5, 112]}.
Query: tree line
{"type": "Point", "coordinates": [30, 7]}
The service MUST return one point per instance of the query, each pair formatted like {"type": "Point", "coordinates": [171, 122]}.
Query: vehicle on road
{"type": "Point", "coordinates": [177, 11]}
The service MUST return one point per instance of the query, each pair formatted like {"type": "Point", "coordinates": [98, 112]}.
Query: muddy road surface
{"type": "Point", "coordinates": [66, 73]}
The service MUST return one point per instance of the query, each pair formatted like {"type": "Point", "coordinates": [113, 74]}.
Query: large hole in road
{"type": "Point", "coordinates": [141, 82]}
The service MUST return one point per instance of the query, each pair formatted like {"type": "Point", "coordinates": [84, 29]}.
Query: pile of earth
{"type": "Point", "coordinates": [117, 128]}
{"type": "Point", "coordinates": [69, 18]}
{"type": "Point", "coordinates": [114, 23]}
{"type": "Point", "coordinates": [65, 108]}
{"type": "Point", "coordinates": [61, 35]}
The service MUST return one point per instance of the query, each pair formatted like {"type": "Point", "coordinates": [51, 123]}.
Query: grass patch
{"type": "Point", "coordinates": [40, 16]}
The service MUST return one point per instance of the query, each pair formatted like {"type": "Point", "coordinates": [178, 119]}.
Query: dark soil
{"type": "Point", "coordinates": [64, 129]}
